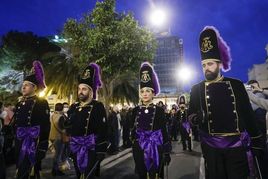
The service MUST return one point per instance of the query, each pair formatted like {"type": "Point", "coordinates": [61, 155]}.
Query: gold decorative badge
{"type": "Point", "coordinates": [145, 77]}
{"type": "Point", "coordinates": [206, 45]}
{"type": "Point", "coordinates": [86, 74]}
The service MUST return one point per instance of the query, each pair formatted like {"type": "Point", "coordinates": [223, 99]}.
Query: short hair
{"type": "Point", "coordinates": [58, 107]}
{"type": "Point", "coordinates": [65, 103]}
{"type": "Point", "coordinates": [253, 81]}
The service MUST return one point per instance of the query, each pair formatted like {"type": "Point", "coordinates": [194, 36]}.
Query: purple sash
{"type": "Point", "coordinates": [148, 141]}
{"type": "Point", "coordinates": [80, 145]}
{"type": "Point", "coordinates": [28, 136]}
{"type": "Point", "coordinates": [223, 142]}
{"type": "Point", "coordinates": [186, 126]}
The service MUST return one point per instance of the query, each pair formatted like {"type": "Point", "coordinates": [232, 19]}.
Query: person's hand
{"type": "Point", "coordinates": [248, 87]}
{"type": "Point", "coordinates": [100, 156]}
{"type": "Point", "coordinates": [256, 152]}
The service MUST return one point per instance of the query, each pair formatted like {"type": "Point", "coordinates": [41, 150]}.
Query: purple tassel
{"type": "Point", "coordinates": [39, 74]}
{"type": "Point", "coordinates": [155, 78]}
{"type": "Point", "coordinates": [97, 83]}
{"type": "Point", "coordinates": [225, 54]}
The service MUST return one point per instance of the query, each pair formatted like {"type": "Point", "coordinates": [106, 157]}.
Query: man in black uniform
{"type": "Point", "coordinates": [226, 119]}
{"type": "Point", "coordinates": [185, 126]}
{"type": "Point", "coordinates": [32, 125]}
{"type": "Point", "coordinates": [87, 125]}
{"type": "Point", "coordinates": [151, 145]}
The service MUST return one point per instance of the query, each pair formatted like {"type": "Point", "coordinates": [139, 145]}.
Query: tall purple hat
{"type": "Point", "coordinates": [148, 78]}
{"type": "Point", "coordinates": [91, 77]}
{"type": "Point", "coordinates": [37, 76]}
{"type": "Point", "coordinates": [213, 47]}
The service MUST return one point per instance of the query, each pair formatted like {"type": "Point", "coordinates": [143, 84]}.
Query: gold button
{"type": "Point", "coordinates": [210, 121]}
{"type": "Point", "coordinates": [207, 97]}
{"type": "Point", "coordinates": [234, 111]}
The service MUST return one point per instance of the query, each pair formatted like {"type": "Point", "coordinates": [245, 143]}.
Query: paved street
{"type": "Point", "coordinates": [184, 165]}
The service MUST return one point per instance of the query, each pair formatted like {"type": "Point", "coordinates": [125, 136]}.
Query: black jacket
{"type": "Point", "coordinates": [90, 119]}
{"type": "Point", "coordinates": [223, 108]}
{"type": "Point", "coordinates": [34, 111]}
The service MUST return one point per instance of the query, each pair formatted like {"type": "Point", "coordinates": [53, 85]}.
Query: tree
{"type": "Point", "coordinates": [18, 51]}
{"type": "Point", "coordinates": [113, 40]}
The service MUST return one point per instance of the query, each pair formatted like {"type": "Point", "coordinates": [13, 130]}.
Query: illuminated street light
{"type": "Point", "coordinates": [42, 93]}
{"type": "Point", "coordinates": [158, 17]}
{"type": "Point", "coordinates": [184, 73]}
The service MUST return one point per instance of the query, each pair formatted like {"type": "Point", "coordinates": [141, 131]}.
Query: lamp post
{"type": "Point", "coordinates": [158, 17]}
{"type": "Point", "coordinates": [184, 74]}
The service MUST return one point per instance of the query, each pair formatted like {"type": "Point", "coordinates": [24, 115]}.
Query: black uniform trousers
{"type": "Point", "coordinates": [2, 165]}
{"type": "Point", "coordinates": [92, 166]}
{"type": "Point", "coordinates": [185, 138]}
{"type": "Point", "coordinates": [24, 170]}
{"type": "Point", "coordinates": [140, 167]}
{"type": "Point", "coordinates": [229, 163]}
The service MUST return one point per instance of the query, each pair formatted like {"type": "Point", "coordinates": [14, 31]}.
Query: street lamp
{"type": "Point", "coordinates": [184, 73]}
{"type": "Point", "coordinates": [42, 93]}
{"type": "Point", "coordinates": [158, 17]}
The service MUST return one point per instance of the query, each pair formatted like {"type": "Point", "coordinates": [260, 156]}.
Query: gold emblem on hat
{"type": "Point", "coordinates": [145, 77]}
{"type": "Point", "coordinates": [86, 74]}
{"type": "Point", "coordinates": [206, 45]}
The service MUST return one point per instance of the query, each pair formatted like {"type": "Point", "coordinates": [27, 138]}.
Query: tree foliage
{"type": "Point", "coordinates": [113, 40]}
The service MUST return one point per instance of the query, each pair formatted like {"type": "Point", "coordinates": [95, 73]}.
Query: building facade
{"type": "Point", "coordinates": [168, 58]}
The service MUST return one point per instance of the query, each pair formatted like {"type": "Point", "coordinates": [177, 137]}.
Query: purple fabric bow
{"type": "Point", "coordinates": [28, 135]}
{"type": "Point", "coordinates": [246, 142]}
{"type": "Point", "coordinates": [186, 126]}
{"type": "Point", "coordinates": [231, 142]}
{"type": "Point", "coordinates": [80, 146]}
{"type": "Point", "coordinates": [148, 141]}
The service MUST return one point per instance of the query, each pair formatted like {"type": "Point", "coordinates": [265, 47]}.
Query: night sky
{"type": "Point", "coordinates": [242, 23]}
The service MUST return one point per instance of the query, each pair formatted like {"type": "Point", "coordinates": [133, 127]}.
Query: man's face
{"type": "Point", "coordinates": [211, 69]}
{"type": "Point", "coordinates": [255, 85]}
{"type": "Point", "coordinates": [28, 88]}
{"type": "Point", "coordinates": [146, 94]}
{"type": "Point", "coordinates": [84, 92]}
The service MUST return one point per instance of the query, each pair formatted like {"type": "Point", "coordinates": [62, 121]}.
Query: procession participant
{"type": "Point", "coordinates": [32, 125]}
{"type": "Point", "coordinates": [226, 120]}
{"type": "Point", "coordinates": [151, 145]}
{"type": "Point", "coordinates": [87, 125]}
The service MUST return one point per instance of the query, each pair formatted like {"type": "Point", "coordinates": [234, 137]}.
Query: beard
{"type": "Point", "coordinates": [212, 75]}
{"type": "Point", "coordinates": [83, 97]}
